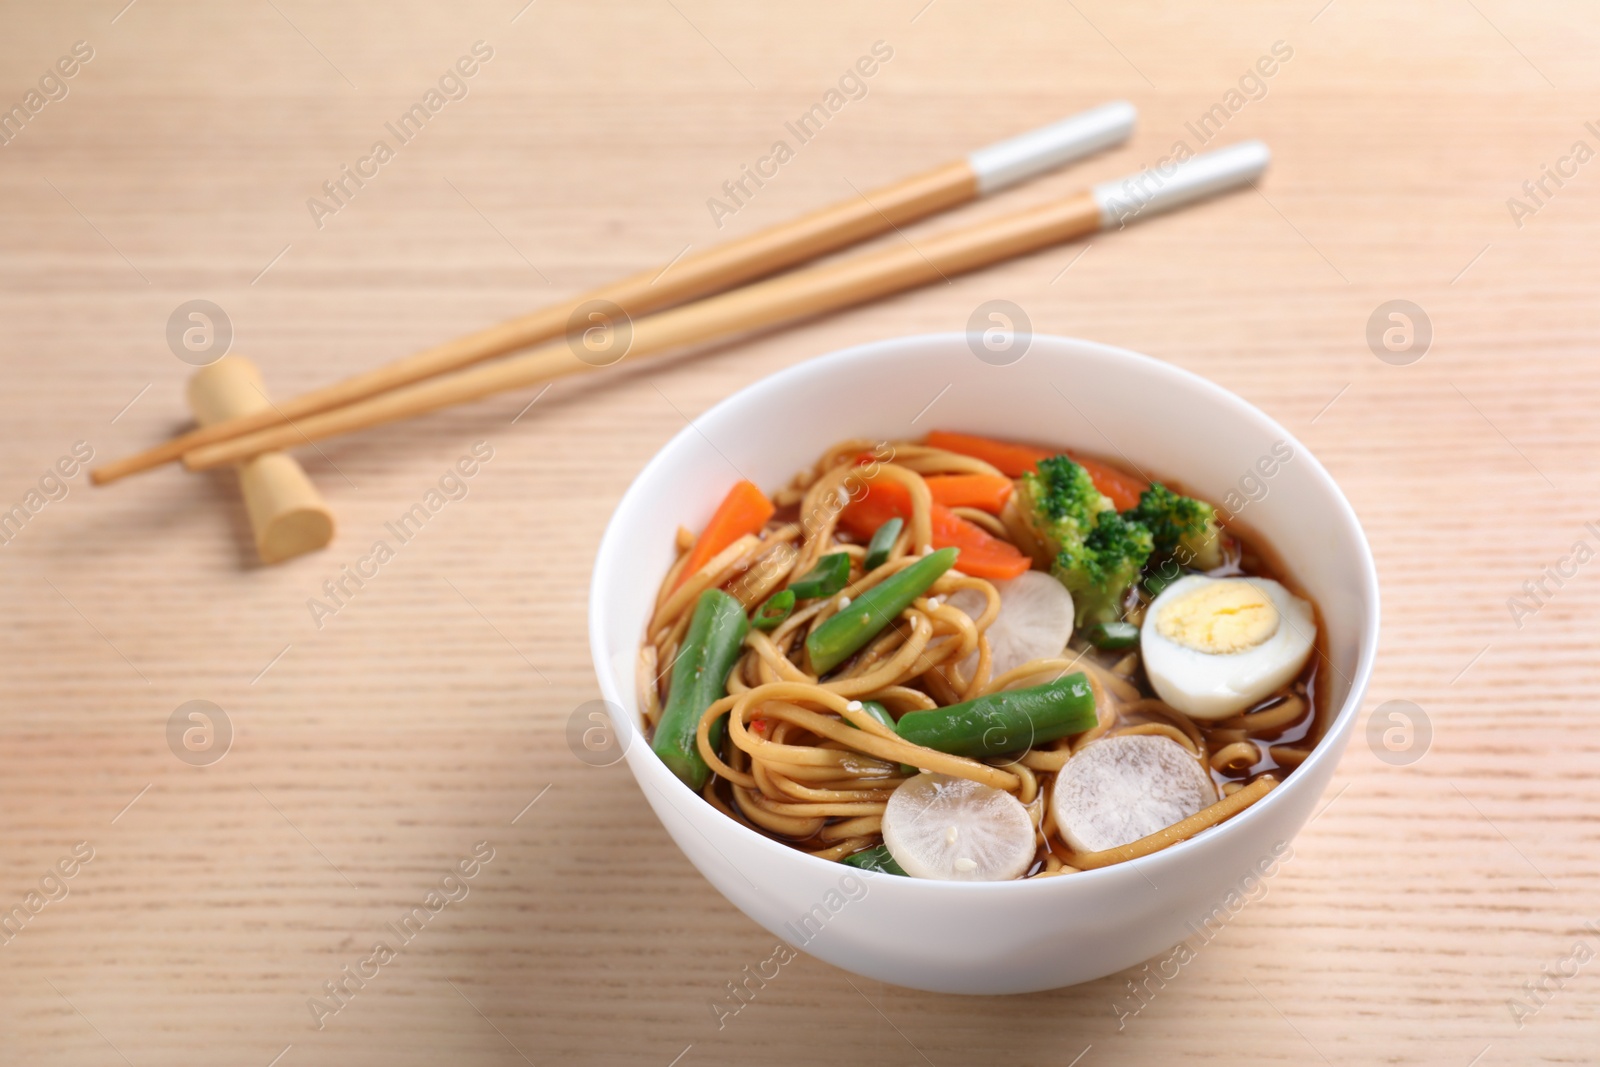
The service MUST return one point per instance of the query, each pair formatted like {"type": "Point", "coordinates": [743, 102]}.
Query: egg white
{"type": "Point", "coordinates": [1208, 686]}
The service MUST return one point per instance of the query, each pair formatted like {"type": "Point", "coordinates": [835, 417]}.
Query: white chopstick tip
{"type": "Point", "coordinates": [1172, 183]}
{"type": "Point", "coordinates": [1249, 157]}
{"type": "Point", "coordinates": [1119, 114]}
{"type": "Point", "coordinates": [1027, 155]}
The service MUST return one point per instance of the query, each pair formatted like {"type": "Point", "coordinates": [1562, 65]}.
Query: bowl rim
{"type": "Point", "coordinates": [1334, 737]}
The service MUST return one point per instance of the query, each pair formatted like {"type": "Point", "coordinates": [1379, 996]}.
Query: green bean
{"type": "Point", "coordinates": [1008, 721]}
{"type": "Point", "coordinates": [881, 713]}
{"type": "Point", "coordinates": [882, 543]}
{"type": "Point", "coordinates": [778, 607]}
{"type": "Point", "coordinates": [831, 574]}
{"type": "Point", "coordinates": [876, 711]}
{"type": "Point", "coordinates": [876, 859]}
{"type": "Point", "coordinates": [1112, 635]}
{"type": "Point", "coordinates": [699, 679]}
{"type": "Point", "coordinates": [845, 633]}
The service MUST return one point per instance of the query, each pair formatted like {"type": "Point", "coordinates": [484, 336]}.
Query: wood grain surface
{"type": "Point", "coordinates": [430, 712]}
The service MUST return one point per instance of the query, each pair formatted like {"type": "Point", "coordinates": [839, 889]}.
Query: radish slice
{"type": "Point", "coordinates": [1123, 788]}
{"type": "Point", "coordinates": [938, 826]}
{"type": "Point", "coordinates": [1035, 621]}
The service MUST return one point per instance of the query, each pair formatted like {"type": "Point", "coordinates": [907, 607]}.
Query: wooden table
{"type": "Point", "coordinates": [370, 755]}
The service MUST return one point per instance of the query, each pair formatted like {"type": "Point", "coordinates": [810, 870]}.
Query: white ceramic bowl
{"type": "Point", "coordinates": [1002, 937]}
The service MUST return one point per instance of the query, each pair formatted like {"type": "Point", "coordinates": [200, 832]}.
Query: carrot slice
{"type": "Point", "coordinates": [1123, 489]}
{"type": "Point", "coordinates": [982, 556]}
{"type": "Point", "coordinates": [745, 510]}
{"type": "Point", "coordinates": [1016, 460]}
{"type": "Point", "coordinates": [1012, 460]}
{"type": "Point", "coordinates": [987, 492]}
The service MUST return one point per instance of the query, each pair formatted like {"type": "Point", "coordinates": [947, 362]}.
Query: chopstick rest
{"type": "Point", "coordinates": [287, 515]}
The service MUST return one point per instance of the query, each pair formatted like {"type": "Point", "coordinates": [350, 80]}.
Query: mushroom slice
{"type": "Point", "coordinates": [939, 826]}
{"type": "Point", "coordinates": [1123, 788]}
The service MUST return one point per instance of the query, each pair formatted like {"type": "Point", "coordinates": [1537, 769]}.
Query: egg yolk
{"type": "Point", "coordinates": [1219, 618]}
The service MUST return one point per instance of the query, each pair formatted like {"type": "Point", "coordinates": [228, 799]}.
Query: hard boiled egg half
{"type": "Point", "coordinates": [1213, 647]}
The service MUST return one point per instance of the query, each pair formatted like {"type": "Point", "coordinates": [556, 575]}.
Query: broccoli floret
{"type": "Point", "coordinates": [1061, 502]}
{"type": "Point", "coordinates": [1100, 569]}
{"type": "Point", "coordinates": [1182, 527]}
{"type": "Point", "coordinates": [1097, 553]}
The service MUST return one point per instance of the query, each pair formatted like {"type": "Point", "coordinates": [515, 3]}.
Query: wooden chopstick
{"type": "Point", "coordinates": [786, 298]}
{"type": "Point", "coordinates": [720, 267]}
